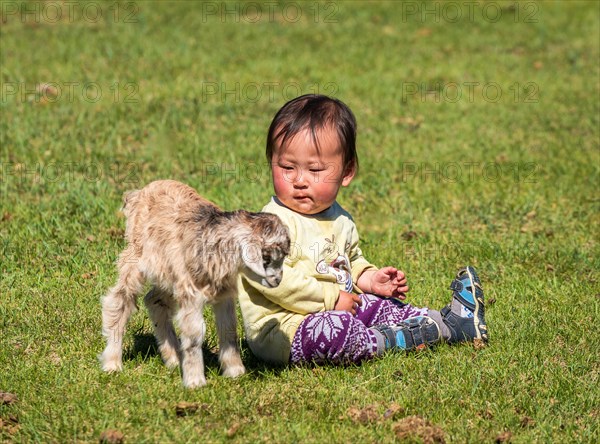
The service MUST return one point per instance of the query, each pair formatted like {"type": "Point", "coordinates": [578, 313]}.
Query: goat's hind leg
{"type": "Point", "coordinates": [190, 319]}
{"type": "Point", "coordinates": [161, 308]}
{"type": "Point", "coordinates": [117, 307]}
{"type": "Point", "coordinates": [229, 351]}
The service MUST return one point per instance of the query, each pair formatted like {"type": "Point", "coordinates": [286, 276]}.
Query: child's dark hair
{"type": "Point", "coordinates": [314, 111]}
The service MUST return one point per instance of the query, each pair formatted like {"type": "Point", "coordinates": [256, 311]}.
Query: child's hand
{"type": "Point", "coordinates": [388, 281]}
{"type": "Point", "coordinates": [348, 302]}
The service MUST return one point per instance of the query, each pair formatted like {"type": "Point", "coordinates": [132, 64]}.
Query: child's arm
{"type": "Point", "coordinates": [388, 281]}
{"type": "Point", "coordinates": [299, 293]}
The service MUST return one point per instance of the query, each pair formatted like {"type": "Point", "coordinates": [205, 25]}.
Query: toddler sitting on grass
{"type": "Point", "coordinates": [332, 304]}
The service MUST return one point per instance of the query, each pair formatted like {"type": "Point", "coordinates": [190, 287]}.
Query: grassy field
{"type": "Point", "coordinates": [478, 143]}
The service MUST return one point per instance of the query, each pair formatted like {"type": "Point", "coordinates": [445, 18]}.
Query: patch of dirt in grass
{"type": "Point", "coordinates": [111, 437]}
{"type": "Point", "coordinates": [409, 235]}
{"type": "Point", "coordinates": [527, 421]}
{"type": "Point", "coordinates": [7, 398]}
{"type": "Point", "coordinates": [369, 414]}
{"type": "Point", "coordinates": [189, 408]}
{"type": "Point", "coordinates": [413, 427]}
{"type": "Point", "coordinates": [231, 431]}
{"type": "Point", "coordinates": [6, 216]}
{"type": "Point", "coordinates": [486, 414]}
{"type": "Point", "coordinates": [393, 410]}
{"type": "Point", "coordinates": [503, 437]}
{"type": "Point", "coordinates": [365, 415]}
{"type": "Point", "coordinates": [9, 426]}
{"type": "Point", "coordinates": [478, 344]}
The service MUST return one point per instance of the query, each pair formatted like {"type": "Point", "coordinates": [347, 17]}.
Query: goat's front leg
{"type": "Point", "coordinates": [191, 323]}
{"type": "Point", "coordinates": [229, 351]}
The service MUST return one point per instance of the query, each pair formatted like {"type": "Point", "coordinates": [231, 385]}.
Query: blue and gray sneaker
{"type": "Point", "coordinates": [414, 333]}
{"type": "Point", "coordinates": [465, 316]}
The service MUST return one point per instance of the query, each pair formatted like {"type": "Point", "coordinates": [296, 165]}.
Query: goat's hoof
{"type": "Point", "coordinates": [234, 371]}
{"type": "Point", "coordinates": [172, 362]}
{"type": "Point", "coordinates": [112, 366]}
{"type": "Point", "coordinates": [194, 384]}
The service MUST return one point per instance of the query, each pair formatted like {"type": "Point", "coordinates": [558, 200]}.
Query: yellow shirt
{"type": "Point", "coordinates": [324, 259]}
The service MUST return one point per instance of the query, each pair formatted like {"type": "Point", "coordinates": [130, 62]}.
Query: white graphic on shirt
{"type": "Point", "coordinates": [335, 264]}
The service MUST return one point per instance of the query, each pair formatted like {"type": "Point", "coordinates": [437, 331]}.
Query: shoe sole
{"type": "Point", "coordinates": [479, 301]}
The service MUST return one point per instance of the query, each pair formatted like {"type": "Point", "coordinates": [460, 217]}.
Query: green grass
{"type": "Point", "coordinates": [514, 191]}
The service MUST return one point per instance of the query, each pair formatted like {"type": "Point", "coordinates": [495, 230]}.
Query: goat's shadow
{"type": "Point", "coordinates": [145, 347]}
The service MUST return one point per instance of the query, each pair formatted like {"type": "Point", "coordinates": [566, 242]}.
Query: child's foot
{"type": "Point", "coordinates": [413, 333]}
{"type": "Point", "coordinates": [465, 316]}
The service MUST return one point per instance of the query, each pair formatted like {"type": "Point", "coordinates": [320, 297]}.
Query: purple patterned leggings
{"type": "Point", "coordinates": [339, 337]}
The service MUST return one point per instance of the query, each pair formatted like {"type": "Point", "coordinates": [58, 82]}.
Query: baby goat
{"type": "Point", "coordinates": [192, 252]}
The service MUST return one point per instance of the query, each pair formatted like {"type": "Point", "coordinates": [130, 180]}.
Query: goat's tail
{"type": "Point", "coordinates": [130, 199]}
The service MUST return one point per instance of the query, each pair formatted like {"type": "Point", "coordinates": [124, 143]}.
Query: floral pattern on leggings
{"type": "Point", "coordinates": [339, 337]}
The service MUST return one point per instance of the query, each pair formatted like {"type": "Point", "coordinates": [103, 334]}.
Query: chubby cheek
{"type": "Point", "coordinates": [281, 183]}
{"type": "Point", "coordinates": [326, 192]}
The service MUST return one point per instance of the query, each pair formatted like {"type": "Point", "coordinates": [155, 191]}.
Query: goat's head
{"type": "Point", "coordinates": [265, 248]}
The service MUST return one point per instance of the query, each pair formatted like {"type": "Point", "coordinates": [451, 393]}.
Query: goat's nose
{"type": "Point", "coordinates": [274, 280]}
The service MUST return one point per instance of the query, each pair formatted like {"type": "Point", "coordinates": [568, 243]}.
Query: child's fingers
{"type": "Point", "coordinates": [390, 272]}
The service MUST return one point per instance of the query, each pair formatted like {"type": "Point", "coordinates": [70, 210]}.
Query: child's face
{"type": "Point", "coordinates": [306, 180]}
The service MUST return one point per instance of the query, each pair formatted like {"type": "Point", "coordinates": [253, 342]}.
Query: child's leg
{"type": "Point", "coordinates": [376, 310]}
{"type": "Point", "coordinates": [461, 320]}
{"type": "Point", "coordinates": [333, 336]}
{"type": "Point", "coordinates": [397, 324]}
{"type": "Point", "coordinates": [338, 337]}
{"type": "Point", "coordinates": [381, 324]}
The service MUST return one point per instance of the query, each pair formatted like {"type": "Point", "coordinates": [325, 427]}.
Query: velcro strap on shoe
{"type": "Point", "coordinates": [417, 336]}
{"type": "Point", "coordinates": [456, 285]}
{"type": "Point", "coordinates": [389, 334]}
{"type": "Point", "coordinates": [460, 330]}
{"type": "Point", "coordinates": [448, 317]}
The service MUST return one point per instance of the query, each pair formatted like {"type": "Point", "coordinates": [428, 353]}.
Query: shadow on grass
{"type": "Point", "coordinates": [145, 347]}
{"type": "Point", "coordinates": [257, 368]}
